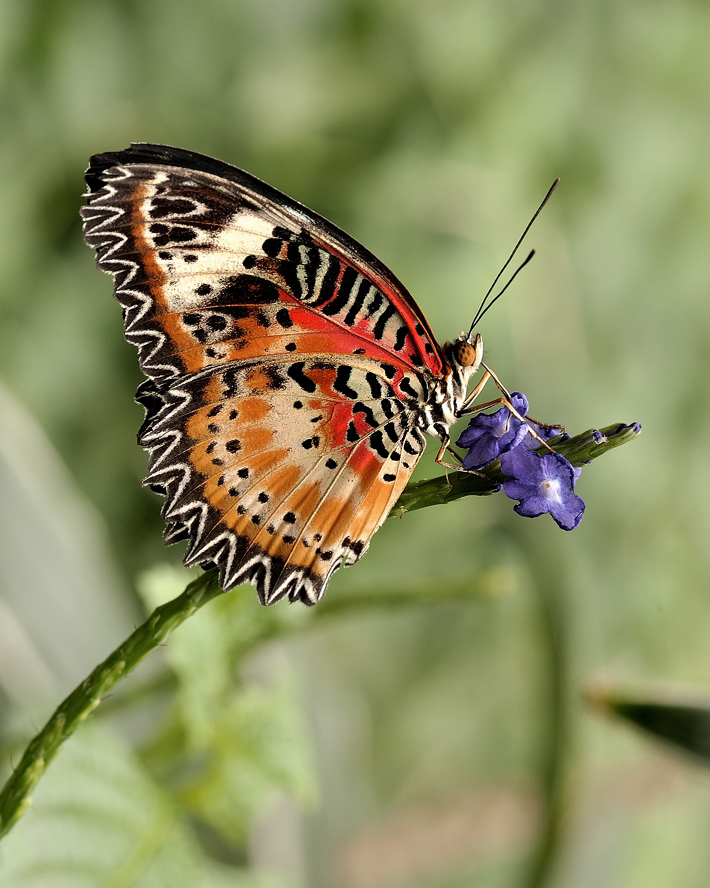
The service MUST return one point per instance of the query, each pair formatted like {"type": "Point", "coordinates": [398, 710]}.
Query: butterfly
{"type": "Point", "coordinates": [291, 378]}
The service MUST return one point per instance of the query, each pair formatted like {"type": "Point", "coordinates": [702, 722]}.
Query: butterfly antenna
{"type": "Point", "coordinates": [517, 271]}
{"type": "Point", "coordinates": [483, 308]}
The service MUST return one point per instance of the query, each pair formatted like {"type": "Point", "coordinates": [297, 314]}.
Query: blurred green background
{"type": "Point", "coordinates": [442, 744]}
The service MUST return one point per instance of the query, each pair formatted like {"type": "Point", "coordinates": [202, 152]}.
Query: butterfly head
{"type": "Point", "coordinates": [467, 351]}
{"type": "Point", "coordinates": [464, 356]}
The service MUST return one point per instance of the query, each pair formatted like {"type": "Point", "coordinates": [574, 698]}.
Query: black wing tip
{"type": "Point", "coordinates": [153, 153]}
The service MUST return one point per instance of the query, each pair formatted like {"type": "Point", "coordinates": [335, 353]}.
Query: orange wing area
{"type": "Point", "coordinates": [277, 476]}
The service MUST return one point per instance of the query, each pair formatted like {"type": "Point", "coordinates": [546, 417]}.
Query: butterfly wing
{"type": "Point", "coordinates": [222, 277]}
{"type": "Point", "coordinates": [279, 472]}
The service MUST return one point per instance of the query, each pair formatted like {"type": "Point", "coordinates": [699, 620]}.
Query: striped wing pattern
{"type": "Point", "coordinates": [285, 367]}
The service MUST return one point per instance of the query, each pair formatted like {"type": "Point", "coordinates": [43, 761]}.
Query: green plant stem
{"type": "Point", "coordinates": [15, 795]}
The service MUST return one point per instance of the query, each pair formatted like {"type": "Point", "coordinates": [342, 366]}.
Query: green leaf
{"type": "Point", "coordinates": [243, 745]}
{"type": "Point", "coordinates": [258, 748]}
{"type": "Point", "coordinates": [98, 820]}
{"type": "Point", "coordinates": [669, 713]}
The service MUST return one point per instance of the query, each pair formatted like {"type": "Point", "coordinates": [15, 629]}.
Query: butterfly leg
{"type": "Point", "coordinates": [558, 429]}
{"type": "Point", "coordinates": [477, 390]}
{"type": "Point", "coordinates": [445, 446]}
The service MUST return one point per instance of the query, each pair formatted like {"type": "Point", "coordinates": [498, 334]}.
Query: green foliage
{"type": "Point", "coordinates": [239, 742]}
{"type": "Point", "coordinates": [672, 714]}
{"type": "Point", "coordinates": [98, 819]}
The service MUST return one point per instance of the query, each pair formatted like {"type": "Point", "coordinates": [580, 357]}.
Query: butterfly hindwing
{"type": "Point", "coordinates": [277, 476]}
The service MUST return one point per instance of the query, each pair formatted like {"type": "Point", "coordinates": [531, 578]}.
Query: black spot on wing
{"type": "Point", "coordinates": [408, 389]}
{"type": "Point", "coordinates": [375, 303]}
{"type": "Point", "coordinates": [216, 323]}
{"type": "Point", "coordinates": [272, 246]}
{"type": "Point", "coordinates": [330, 278]}
{"type": "Point", "coordinates": [246, 289]}
{"type": "Point", "coordinates": [409, 449]}
{"type": "Point", "coordinates": [378, 444]}
{"type": "Point", "coordinates": [400, 339]}
{"type": "Point", "coordinates": [342, 378]}
{"type": "Point", "coordinates": [161, 207]}
{"type": "Point", "coordinates": [295, 371]}
{"type": "Point", "coordinates": [170, 234]}
{"type": "Point", "coordinates": [387, 408]}
{"type": "Point", "coordinates": [381, 325]}
{"type": "Point", "coordinates": [340, 300]}
{"type": "Point", "coordinates": [375, 385]}
{"type": "Point", "coordinates": [357, 303]}
{"type": "Point", "coordinates": [367, 413]}
{"type": "Point", "coordinates": [392, 432]}
{"type": "Point", "coordinates": [283, 318]}
{"type": "Point", "coordinates": [275, 377]}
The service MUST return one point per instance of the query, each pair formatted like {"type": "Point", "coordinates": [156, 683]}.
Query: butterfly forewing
{"type": "Point", "coordinates": [285, 366]}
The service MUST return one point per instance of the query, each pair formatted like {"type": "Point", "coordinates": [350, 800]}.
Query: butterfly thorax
{"type": "Point", "coordinates": [447, 393]}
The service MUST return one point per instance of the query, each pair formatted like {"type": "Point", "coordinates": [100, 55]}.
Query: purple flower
{"type": "Point", "coordinates": [488, 435]}
{"type": "Point", "coordinates": [542, 484]}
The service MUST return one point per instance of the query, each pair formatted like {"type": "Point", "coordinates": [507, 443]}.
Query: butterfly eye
{"type": "Point", "coordinates": [465, 354]}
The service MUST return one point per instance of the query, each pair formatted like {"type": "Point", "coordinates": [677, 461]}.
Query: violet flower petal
{"type": "Point", "coordinates": [488, 435]}
{"type": "Point", "coordinates": [542, 484]}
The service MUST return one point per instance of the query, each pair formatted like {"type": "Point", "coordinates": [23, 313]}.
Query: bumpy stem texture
{"type": "Point", "coordinates": [15, 796]}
